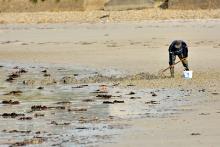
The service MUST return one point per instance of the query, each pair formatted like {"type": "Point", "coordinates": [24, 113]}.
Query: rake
{"type": "Point", "coordinates": [162, 71]}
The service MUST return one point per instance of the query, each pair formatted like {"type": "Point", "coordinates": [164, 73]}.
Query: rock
{"type": "Point", "coordinates": [80, 86]}
{"type": "Point", "coordinates": [215, 93]}
{"type": "Point", "coordinates": [14, 75]}
{"type": "Point", "coordinates": [202, 90]}
{"type": "Point", "coordinates": [195, 134]}
{"type": "Point", "coordinates": [58, 107]}
{"type": "Point", "coordinates": [39, 115]}
{"type": "Point", "coordinates": [133, 98]}
{"type": "Point", "coordinates": [108, 102]}
{"type": "Point", "coordinates": [128, 4]}
{"type": "Point", "coordinates": [17, 131]}
{"type": "Point", "coordinates": [11, 115]}
{"type": "Point", "coordinates": [104, 16]}
{"type": "Point", "coordinates": [152, 102]}
{"type": "Point", "coordinates": [63, 103]}
{"type": "Point", "coordinates": [15, 93]}
{"type": "Point", "coordinates": [10, 102]}
{"type": "Point", "coordinates": [165, 4]}
{"type": "Point", "coordinates": [116, 101]}
{"type": "Point", "coordinates": [25, 118]}
{"type": "Point", "coordinates": [55, 123]}
{"type": "Point", "coordinates": [38, 108]}
{"type": "Point", "coordinates": [104, 96]}
{"type": "Point", "coordinates": [40, 88]}
{"type": "Point", "coordinates": [22, 70]}
{"type": "Point", "coordinates": [46, 75]}
{"type": "Point", "coordinates": [44, 71]}
{"type": "Point", "coordinates": [81, 128]}
{"type": "Point", "coordinates": [130, 85]}
{"type": "Point", "coordinates": [78, 109]}
{"type": "Point", "coordinates": [131, 93]}
{"type": "Point", "coordinates": [153, 94]}
{"type": "Point", "coordinates": [193, 4]}
{"type": "Point", "coordinates": [88, 100]}
{"type": "Point", "coordinates": [10, 79]}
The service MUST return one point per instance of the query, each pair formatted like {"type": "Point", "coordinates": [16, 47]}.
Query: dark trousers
{"type": "Point", "coordinates": [172, 62]}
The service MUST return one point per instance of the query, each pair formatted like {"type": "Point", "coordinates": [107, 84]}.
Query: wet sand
{"type": "Point", "coordinates": [70, 62]}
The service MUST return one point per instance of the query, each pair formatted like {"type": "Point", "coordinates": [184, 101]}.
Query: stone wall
{"type": "Point", "coordinates": [194, 4]}
{"type": "Point", "coordinates": [128, 4]}
{"type": "Point", "coordinates": [40, 5]}
{"type": "Point", "coordinates": [50, 5]}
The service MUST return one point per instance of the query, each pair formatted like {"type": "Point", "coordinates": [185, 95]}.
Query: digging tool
{"type": "Point", "coordinates": [161, 72]}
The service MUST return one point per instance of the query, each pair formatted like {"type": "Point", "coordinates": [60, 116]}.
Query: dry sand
{"type": "Point", "coordinates": [112, 16]}
{"type": "Point", "coordinates": [133, 47]}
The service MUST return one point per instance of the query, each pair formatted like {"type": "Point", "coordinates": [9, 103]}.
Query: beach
{"type": "Point", "coordinates": [95, 81]}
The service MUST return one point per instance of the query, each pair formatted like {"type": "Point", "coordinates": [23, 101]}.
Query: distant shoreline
{"type": "Point", "coordinates": [107, 16]}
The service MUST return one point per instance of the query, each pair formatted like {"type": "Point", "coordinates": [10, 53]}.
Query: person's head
{"type": "Point", "coordinates": [178, 44]}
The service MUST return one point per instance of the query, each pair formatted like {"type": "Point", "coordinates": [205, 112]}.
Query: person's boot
{"type": "Point", "coordinates": [172, 72]}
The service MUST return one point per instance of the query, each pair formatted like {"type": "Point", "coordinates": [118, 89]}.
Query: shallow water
{"type": "Point", "coordinates": [98, 122]}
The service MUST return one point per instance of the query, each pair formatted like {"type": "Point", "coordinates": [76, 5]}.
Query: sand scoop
{"type": "Point", "coordinates": [162, 71]}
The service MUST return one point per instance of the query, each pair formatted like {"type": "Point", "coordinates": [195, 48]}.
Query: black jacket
{"type": "Point", "coordinates": [182, 51]}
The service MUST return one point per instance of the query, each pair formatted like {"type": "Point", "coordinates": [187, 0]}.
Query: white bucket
{"type": "Point", "coordinates": [188, 74]}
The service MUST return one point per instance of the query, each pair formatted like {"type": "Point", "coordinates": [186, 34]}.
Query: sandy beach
{"type": "Point", "coordinates": [126, 57]}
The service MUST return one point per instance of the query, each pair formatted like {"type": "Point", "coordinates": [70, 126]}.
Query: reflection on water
{"type": "Point", "coordinates": [85, 119]}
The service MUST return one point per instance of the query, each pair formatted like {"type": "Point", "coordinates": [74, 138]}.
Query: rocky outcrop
{"type": "Point", "coordinates": [50, 5]}
{"type": "Point", "coordinates": [128, 4]}
{"type": "Point", "coordinates": [194, 4]}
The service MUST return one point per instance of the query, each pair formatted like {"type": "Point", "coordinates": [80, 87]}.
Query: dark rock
{"type": "Point", "coordinates": [38, 108]}
{"type": "Point", "coordinates": [104, 96]}
{"type": "Point", "coordinates": [80, 86]}
{"type": "Point", "coordinates": [215, 93]}
{"type": "Point", "coordinates": [10, 102]}
{"type": "Point", "coordinates": [46, 75]}
{"type": "Point", "coordinates": [130, 85]}
{"type": "Point", "coordinates": [9, 80]}
{"type": "Point", "coordinates": [88, 100]}
{"type": "Point", "coordinates": [40, 88]}
{"type": "Point", "coordinates": [133, 98]}
{"type": "Point", "coordinates": [131, 93]}
{"type": "Point", "coordinates": [38, 115]}
{"type": "Point", "coordinates": [44, 71]}
{"type": "Point", "coordinates": [165, 4]}
{"type": "Point", "coordinates": [152, 102]}
{"type": "Point", "coordinates": [204, 114]}
{"type": "Point", "coordinates": [202, 90]}
{"type": "Point", "coordinates": [108, 102]}
{"type": "Point", "coordinates": [58, 107]}
{"type": "Point", "coordinates": [78, 110]}
{"type": "Point", "coordinates": [104, 16]}
{"type": "Point", "coordinates": [22, 70]}
{"type": "Point", "coordinates": [14, 75]}
{"type": "Point", "coordinates": [195, 134]}
{"type": "Point", "coordinates": [11, 115]}
{"type": "Point", "coordinates": [55, 123]}
{"type": "Point", "coordinates": [17, 131]}
{"type": "Point", "coordinates": [25, 118]}
{"type": "Point", "coordinates": [81, 128]}
{"type": "Point", "coordinates": [15, 93]}
{"type": "Point", "coordinates": [63, 103]}
{"type": "Point", "coordinates": [116, 101]}
{"type": "Point", "coordinates": [153, 94]}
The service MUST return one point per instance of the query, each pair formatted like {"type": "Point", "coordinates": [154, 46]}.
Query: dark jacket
{"type": "Point", "coordinates": [182, 51]}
